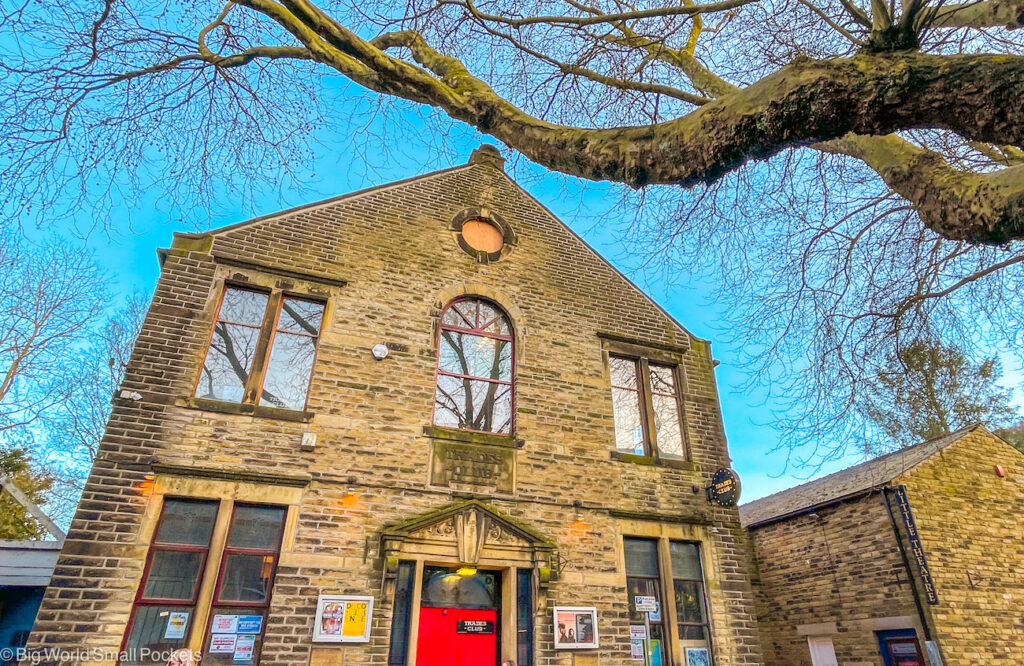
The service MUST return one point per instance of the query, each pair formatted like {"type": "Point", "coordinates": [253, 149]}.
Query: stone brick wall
{"type": "Point", "coordinates": [839, 569]}
{"type": "Point", "coordinates": [970, 524]}
{"type": "Point", "coordinates": [387, 262]}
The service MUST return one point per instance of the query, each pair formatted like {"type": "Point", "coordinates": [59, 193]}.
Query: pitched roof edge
{"type": "Point", "coordinates": [953, 437]}
{"type": "Point", "coordinates": [600, 258]}
{"type": "Point", "coordinates": [322, 202]}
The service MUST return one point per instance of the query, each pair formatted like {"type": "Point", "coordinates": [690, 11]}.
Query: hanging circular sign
{"type": "Point", "coordinates": [724, 489]}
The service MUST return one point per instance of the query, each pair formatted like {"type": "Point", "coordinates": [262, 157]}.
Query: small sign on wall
{"type": "Point", "coordinates": [342, 619]}
{"type": "Point", "coordinates": [575, 628]}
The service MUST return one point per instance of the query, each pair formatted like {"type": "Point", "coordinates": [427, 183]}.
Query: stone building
{"type": "Point", "coordinates": [404, 426]}
{"type": "Point", "coordinates": [913, 558]}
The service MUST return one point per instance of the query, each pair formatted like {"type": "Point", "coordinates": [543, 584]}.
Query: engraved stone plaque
{"type": "Point", "coordinates": [474, 466]}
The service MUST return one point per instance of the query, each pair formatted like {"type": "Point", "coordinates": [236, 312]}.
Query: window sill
{"type": "Point", "coordinates": [471, 437]}
{"type": "Point", "coordinates": [245, 409]}
{"type": "Point", "coordinates": [688, 465]}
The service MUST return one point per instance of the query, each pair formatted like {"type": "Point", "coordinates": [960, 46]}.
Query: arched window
{"type": "Point", "coordinates": [474, 368]}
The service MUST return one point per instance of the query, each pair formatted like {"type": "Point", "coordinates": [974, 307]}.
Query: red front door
{"type": "Point", "coordinates": [458, 619]}
{"type": "Point", "coordinates": [457, 637]}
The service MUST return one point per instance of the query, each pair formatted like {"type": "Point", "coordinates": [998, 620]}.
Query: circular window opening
{"type": "Point", "coordinates": [482, 236]}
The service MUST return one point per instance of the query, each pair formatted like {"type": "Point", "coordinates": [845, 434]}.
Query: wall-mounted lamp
{"type": "Point", "coordinates": [380, 352]}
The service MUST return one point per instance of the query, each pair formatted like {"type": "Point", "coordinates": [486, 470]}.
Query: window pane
{"type": "Point", "coordinates": [668, 434]}
{"type": "Point", "coordinates": [241, 306]}
{"type": "Point", "coordinates": [689, 601]}
{"type": "Point", "coordinates": [443, 588]}
{"type": "Point", "coordinates": [242, 646]}
{"type": "Point", "coordinates": [246, 578]}
{"type": "Point", "coordinates": [473, 404]}
{"type": "Point", "coordinates": [173, 574]}
{"type": "Point", "coordinates": [188, 523]}
{"type": "Point", "coordinates": [287, 378]}
{"type": "Point", "coordinates": [629, 431]}
{"type": "Point", "coordinates": [641, 557]}
{"type": "Point", "coordinates": [475, 355]}
{"type": "Point", "coordinates": [228, 362]}
{"type": "Point", "coordinates": [623, 372]}
{"type": "Point", "coordinates": [299, 316]}
{"type": "Point", "coordinates": [158, 629]}
{"type": "Point", "coordinates": [468, 311]}
{"type": "Point", "coordinates": [454, 316]}
{"type": "Point", "coordinates": [256, 527]}
{"type": "Point", "coordinates": [693, 632]}
{"type": "Point", "coordinates": [663, 379]}
{"type": "Point", "coordinates": [685, 560]}
{"type": "Point", "coordinates": [643, 587]}
{"type": "Point", "coordinates": [399, 645]}
{"type": "Point", "coordinates": [492, 320]}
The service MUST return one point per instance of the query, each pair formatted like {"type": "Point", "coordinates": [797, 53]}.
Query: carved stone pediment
{"type": "Point", "coordinates": [470, 526]}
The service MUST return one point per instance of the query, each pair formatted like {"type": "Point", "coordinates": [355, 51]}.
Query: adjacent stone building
{"type": "Point", "coordinates": [404, 426]}
{"type": "Point", "coordinates": [913, 558]}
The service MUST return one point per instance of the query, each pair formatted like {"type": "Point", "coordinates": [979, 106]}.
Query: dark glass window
{"type": "Point", "coordinates": [262, 349]}
{"type": "Point", "coordinates": [643, 579]}
{"type": "Point", "coordinates": [242, 597]}
{"type": "Point", "coordinates": [474, 368]}
{"type": "Point", "coordinates": [162, 617]}
{"type": "Point", "coordinates": [688, 589]}
{"type": "Point", "coordinates": [646, 408]}
{"type": "Point", "coordinates": [524, 617]}
{"type": "Point", "coordinates": [402, 613]}
{"type": "Point", "coordinates": [445, 588]}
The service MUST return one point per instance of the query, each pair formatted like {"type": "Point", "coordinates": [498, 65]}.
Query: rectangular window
{"type": "Point", "coordinates": [643, 579]}
{"type": "Point", "coordinates": [688, 590]}
{"type": "Point", "coordinates": [165, 605]}
{"type": "Point", "coordinates": [646, 408]}
{"type": "Point", "coordinates": [262, 349]}
{"type": "Point", "coordinates": [242, 596]}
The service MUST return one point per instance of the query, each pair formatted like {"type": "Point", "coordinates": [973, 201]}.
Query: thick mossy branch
{"type": "Point", "coordinates": [805, 102]}
{"type": "Point", "coordinates": [959, 205]}
{"type": "Point", "coordinates": [989, 14]}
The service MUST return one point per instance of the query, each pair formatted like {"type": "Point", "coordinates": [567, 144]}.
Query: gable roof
{"type": "Point", "coordinates": [847, 483]}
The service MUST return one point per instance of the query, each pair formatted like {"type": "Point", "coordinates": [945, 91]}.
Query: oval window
{"type": "Point", "coordinates": [482, 236]}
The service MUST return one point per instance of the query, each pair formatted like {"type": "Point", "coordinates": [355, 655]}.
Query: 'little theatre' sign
{"type": "Point", "coordinates": [916, 549]}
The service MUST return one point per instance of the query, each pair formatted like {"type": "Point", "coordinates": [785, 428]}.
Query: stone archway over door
{"type": "Point", "coordinates": [470, 534]}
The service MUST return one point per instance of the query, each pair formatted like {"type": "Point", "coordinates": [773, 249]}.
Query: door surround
{"type": "Point", "coordinates": [469, 533]}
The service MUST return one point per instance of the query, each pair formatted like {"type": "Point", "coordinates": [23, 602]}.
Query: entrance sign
{"type": "Point", "coordinates": [475, 627]}
{"type": "Point", "coordinates": [724, 489]}
{"type": "Point", "coordinates": [575, 628]}
{"type": "Point", "coordinates": [645, 604]}
{"type": "Point", "coordinates": [342, 619]}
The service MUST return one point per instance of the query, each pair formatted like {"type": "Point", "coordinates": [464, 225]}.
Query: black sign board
{"type": "Point", "coordinates": [724, 489]}
{"type": "Point", "coordinates": [475, 627]}
{"type": "Point", "coordinates": [916, 549]}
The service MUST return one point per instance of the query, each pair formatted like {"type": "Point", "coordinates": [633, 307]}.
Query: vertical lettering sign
{"type": "Point", "coordinates": [916, 549]}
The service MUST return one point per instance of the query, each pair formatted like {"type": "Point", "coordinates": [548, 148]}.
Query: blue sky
{"type": "Point", "coordinates": [130, 257]}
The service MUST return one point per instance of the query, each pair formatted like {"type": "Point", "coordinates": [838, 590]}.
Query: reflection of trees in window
{"type": "Point", "coordinates": [474, 368]}
{"type": "Point", "coordinates": [241, 347]}
{"type": "Point", "coordinates": [645, 408]}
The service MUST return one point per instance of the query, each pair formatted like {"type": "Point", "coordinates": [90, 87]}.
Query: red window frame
{"type": "Point", "coordinates": [478, 329]}
{"type": "Point", "coordinates": [252, 391]}
{"type": "Point", "coordinates": [645, 396]}
{"type": "Point", "coordinates": [141, 600]}
{"type": "Point", "coordinates": [254, 605]}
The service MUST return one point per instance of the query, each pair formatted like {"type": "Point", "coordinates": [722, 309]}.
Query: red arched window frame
{"type": "Point", "coordinates": [464, 319]}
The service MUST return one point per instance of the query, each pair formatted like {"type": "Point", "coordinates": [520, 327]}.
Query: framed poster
{"type": "Point", "coordinates": [698, 657]}
{"type": "Point", "coordinates": [575, 628]}
{"type": "Point", "coordinates": [342, 618]}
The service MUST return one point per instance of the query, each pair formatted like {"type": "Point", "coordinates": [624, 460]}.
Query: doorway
{"type": "Point", "coordinates": [823, 653]}
{"type": "Point", "coordinates": [459, 619]}
{"type": "Point", "coordinates": [900, 648]}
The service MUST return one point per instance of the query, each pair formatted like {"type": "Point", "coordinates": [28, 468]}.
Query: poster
{"type": "Point", "coordinates": [249, 624]}
{"type": "Point", "coordinates": [342, 619]}
{"type": "Point", "coordinates": [222, 644]}
{"type": "Point", "coordinates": [636, 649]}
{"type": "Point", "coordinates": [575, 628]}
{"type": "Point", "coordinates": [224, 624]}
{"type": "Point", "coordinates": [244, 647]}
{"type": "Point", "coordinates": [697, 657]}
{"type": "Point", "coordinates": [177, 622]}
